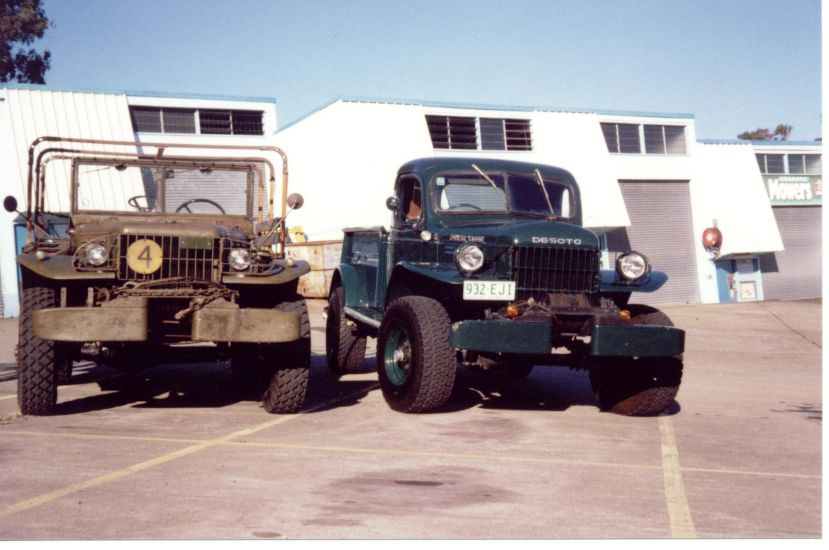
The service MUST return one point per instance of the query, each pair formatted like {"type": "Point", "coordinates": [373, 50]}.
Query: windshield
{"type": "Point", "coordinates": [461, 192]}
{"type": "Point", "coordinates": [163, 189]}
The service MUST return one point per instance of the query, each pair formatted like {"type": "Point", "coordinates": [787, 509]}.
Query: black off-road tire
{"type": "Point", "coordinates": [425, 378]}
{"type": "Point", "coordinates": [344, 348]}
{"type": "Point", "coordinates": [290, 365]}
{"type": "Point", "coordinates": [37, 380]}
{"type": "Point", "coordinates": [645, 386]}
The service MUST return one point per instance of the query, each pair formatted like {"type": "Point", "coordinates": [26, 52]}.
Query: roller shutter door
{"type": "Point", "coordinates": [661, 228]}
{"type": "Point", "coordinates": [794, 273]}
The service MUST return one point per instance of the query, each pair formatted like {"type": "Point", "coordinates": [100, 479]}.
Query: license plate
{"type": "Point", "coordinates": [489, 290]}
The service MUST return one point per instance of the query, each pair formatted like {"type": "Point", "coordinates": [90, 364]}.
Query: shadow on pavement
{"type": "Point", "coordinates": [211, 385]}
{"type": "Point", "coordinates": [197, 385]}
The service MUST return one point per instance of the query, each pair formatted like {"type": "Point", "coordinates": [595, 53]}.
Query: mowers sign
{"type": "Point", "coordinates": [794, 189]}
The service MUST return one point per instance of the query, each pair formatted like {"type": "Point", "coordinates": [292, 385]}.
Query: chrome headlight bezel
{"type": "Point", "coordinates": [239, 259]}
{"type": "Point", "coordinates": [470, 258]}
{"type": "Point", "coordinates": [633, 266]}
{"type": "Point", "coordinates": [96, 254]}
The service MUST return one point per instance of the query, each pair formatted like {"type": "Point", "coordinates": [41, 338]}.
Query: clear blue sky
{"type": "Point", "coordinates": [735, 64]}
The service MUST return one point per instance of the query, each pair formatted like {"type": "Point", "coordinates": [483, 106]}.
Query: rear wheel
{"type": "Point", "coordinates": [415, 361]}
{"type": "Point", "coordinates": [344, 348]}
{"type": "Point", "coordinates": [290, 365]}
{"type": "Point", "coordinates": [644, 386]}
{"type": "Point", "coordinates": [37, 361]}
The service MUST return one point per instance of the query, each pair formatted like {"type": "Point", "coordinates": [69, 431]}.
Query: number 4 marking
{"type": "Point", "coordinates": [147, 256]}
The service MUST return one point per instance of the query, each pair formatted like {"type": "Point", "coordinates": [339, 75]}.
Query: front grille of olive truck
{"type": "Point", "coordinates": [194, 259]}
{"type": "Point", "coordinates": [538, 271]}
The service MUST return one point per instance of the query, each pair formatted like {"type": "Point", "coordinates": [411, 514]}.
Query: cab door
{"type": "Point", "coordinates": [405, 243]}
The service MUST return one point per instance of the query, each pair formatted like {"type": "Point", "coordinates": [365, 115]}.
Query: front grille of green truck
{"type": "Point", "coordinates": [538, 271]}
{"type": "Point", "coordinates": [195, 259]}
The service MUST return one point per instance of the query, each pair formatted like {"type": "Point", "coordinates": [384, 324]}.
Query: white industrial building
{"type": "Point", "coordinates": [648, 183]}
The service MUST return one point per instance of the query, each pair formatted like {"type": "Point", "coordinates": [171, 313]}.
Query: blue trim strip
{"type": "Point", "coordinates": [485, 107]}
{"type": "Point", "coordinates": [781, 144]}
{"type": "Point", "coordinates": [139, 93]}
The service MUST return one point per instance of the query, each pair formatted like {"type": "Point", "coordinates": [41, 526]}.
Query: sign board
{"type": "Point", "coordinates": [794, 190]}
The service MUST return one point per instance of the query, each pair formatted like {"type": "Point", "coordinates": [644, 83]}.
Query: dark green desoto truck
{"type": "Point", "coordinates": [487, 264]}
{"type": "Point", "coordinates": [167, 257]}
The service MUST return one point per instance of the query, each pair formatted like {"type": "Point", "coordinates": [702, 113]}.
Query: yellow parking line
{"type": "Point", "coordinates": [398, 452]}
{"type": "Point", "coordinates": [8, 397]}
{"type": "Point", "coordinates": [105, 437]}
{"type": "Point", "coordinates": [141, 466]}
{"type": "Point", "coordinates": [679, 514]}
{"type": "Point", "coordinates": [39, 500]}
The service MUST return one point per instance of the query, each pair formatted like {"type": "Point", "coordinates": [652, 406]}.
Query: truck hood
{"type": "Point", "coordinates": [521, 232]}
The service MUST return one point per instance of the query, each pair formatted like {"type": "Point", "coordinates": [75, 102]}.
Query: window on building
{"type": "Point", "coordinates": [215, 122]}
{"type": "Point", "coordinates": [247, 123]}
{"type": "Point", "coordinates": [518, 134]}
{"type": "Point", "coordinates": [170, 120]}
{"type": "Point", "coordinates": [510, 134]}
{"type": "Point", "coordinates": [659, 139]}
{"type": "Point", "coordinates": [804, 164]}
{"type": "Point", "coordinates": [621, 138]}
{"type": "Point", "coordinates": [452, 132]}
{"type": "Point", "coordinates": [771, 164]}
{"type": "Point", "coordinates": [178, 121]}
{"type": "Point", "coordinates": [493, 137]}
{"type": "Point", "coordinates": [493, 134]}
{"type": "Point", "coordinates": [662, 140]}
{"type": "Point", "coordinates": [146, 119]}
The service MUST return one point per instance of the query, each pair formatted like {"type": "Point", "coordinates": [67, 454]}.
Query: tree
{"type": "Point", "coordinates": [781, 133]}
{"type": "Point", "coordinates": [21, 23]}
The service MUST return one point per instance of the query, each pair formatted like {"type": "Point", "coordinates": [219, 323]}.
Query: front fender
{"type": "Point", "coordinates": [59, 268]}
{"type": "Point", "coordinates": [441, 283]}
{"type": "Point", "coordinates": [287, 274]}
{"type": "Point", "coordinates": [441, 274]}
{"type": "Point", "coordinates": [610, 282]}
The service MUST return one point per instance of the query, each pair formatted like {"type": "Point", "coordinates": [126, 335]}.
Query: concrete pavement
{"type": "Point", "coordinates": [172, 453]}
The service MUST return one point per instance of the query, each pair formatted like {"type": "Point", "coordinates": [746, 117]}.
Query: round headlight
{"type": "Point", "coordinates": [470, 258]}
{"type": "Point", "coordinates": [632, 266]}
{"type": "Point", "coordinates": [96, 254]}
{"type": "Point", "coordinates": [239, 258]}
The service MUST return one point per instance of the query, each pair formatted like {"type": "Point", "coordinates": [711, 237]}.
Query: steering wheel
{"type": "Point", "coordinates": [464, 204]}
{"type": "Point", "coordinates": [133, 201]}
{"type": "Point", "coordinates": [186, 205]}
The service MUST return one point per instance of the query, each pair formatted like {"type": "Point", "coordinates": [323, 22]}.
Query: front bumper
{"type": "Point", "coordinates": [539, 338]}
{"type": "Point", "coordinates": [220, 321]}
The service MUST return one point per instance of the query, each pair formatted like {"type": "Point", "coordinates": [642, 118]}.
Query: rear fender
{"type": "Point", "coordinates": [355, 291]}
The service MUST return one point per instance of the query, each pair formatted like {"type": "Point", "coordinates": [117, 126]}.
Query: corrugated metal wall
{"type": "Point", "coordinates": [35, 113]}
{"type": "Point", "coordinates": [661, 229]}
{"type": "Point", "coordinates": [796, 272]}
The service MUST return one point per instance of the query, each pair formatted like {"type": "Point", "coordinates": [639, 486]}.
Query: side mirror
{"type": "Point", "coordinates": [393, 203]}
{"type": "Point", "coordinates": [10, 204]}
{"type": "Point", "coordinates": [295, 201]}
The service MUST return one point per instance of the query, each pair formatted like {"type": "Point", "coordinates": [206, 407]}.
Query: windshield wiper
{"type": "Point", "coordinates": [546, 195]}
{"type": "Point", "coordinates": [492, 183]}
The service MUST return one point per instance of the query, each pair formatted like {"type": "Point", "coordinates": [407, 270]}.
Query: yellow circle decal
{"type": "Point", "coordinates": [144, 256]}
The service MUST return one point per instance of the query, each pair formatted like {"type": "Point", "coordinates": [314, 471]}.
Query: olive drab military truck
{"type": "Point", "coordinates": [487, 264]}
{"type": "Point", "coordinates": [163, 251]}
